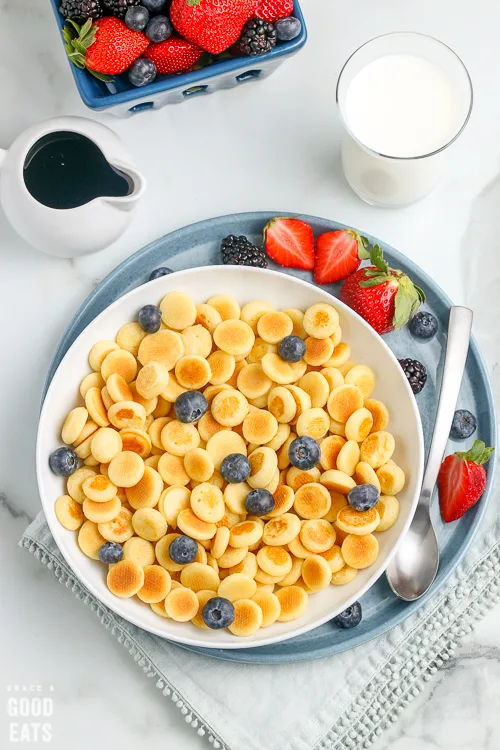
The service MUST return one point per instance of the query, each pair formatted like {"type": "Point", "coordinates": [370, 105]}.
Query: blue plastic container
{"type": "Point", "coordinates": [122, 99]}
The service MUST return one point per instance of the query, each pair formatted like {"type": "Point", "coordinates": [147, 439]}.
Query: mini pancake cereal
{"type": "Point", "coordinates": [152, 481]}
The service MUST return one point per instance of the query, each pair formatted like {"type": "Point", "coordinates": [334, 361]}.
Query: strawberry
{"type": "Point", "coordinates": [290, 242]}
{"type": "Point", "coordinates": [338, 254]}
{"type": "Point", "coordinates": [213, 25]}
{"type": "Point", "coordinates": [105, 47]}
{"type": "Point", "coordinates": [461, 481]}
{"type": "Point", "coordinates": [272, 10]}
{"type": "Point", "coordinates": [386, 298]}
{"type": "Point", "coordinates": [175, 55]}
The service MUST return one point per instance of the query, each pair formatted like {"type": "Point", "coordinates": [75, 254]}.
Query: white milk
{"type": "Point", "coordinates": [401, 106]}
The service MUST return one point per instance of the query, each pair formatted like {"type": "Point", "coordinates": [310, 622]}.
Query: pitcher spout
{"type": "Point", "coordinates": [137, 188]}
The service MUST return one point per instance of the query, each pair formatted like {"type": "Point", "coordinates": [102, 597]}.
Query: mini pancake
{"type": "Point", "coordinates": [392, 479]}
{"type": "Point", "coordinates": [318, 351]}
{"type": "Point", "coordinates": [119, 362]}
{"type": "Point", "coordinates": [338, 501]}
{"type": "Point", "coordinates": [125, 579]}
{"type": "Point", "coordinates": [337, 428]}
{"type": "Point", "coordinates": [149, 421]}
{"type": "Point", "coordinates": [203, 597]}
{"type": "Point", "coordinates": [100, 489]}
{"type": "Point", "coordinates": [154, 430]}
{"type": "Point", "coordinates": [136, 440]}
{"type": "Point", "coordinates": [297, 548]}
{"type": "Point", "coordinates": [343, 576]}
{"type": "Point", "coordinates": [232, 557]}
{"type": "Point", "coordinates": [222, 444]}
{"type": "Point", "coordinates": [259, 426]}
{"type": "Point", "coordinates": [360, 551]}
{"type": "Point", "coordinates": [302, 400]}
{"type": "Point", "coordinates": [197, 340]}
{"type": "Point", "coordinates": [313, 423]}
{"type": "Point", "coordinates": [317, 535]}
{"type": "Point", "coordinates": [312, 501]}
{"type": "Point", "coordinates": [208, 317]}
{"type": "Point", "coordinates": [333, 376]}
{"type": "Point", "coordinates": [263, 465]}
{"type": "Point", "coordinates": [90, 461]}
{"type": "Point", "coordinates": [193, 372]}
{"type": "Point", "coordinates": [172, 471]}
{"type": "Point", "coordinates": [388, 510]}
{"type": "Point", "coordinates": [126, 469]}
{"type": "Point", "coordinates": [279, 531]}
{"type": "Point", "coordinates": [127, 414]}
{"type": "Point", "coordinates": [284, 498]}
{"type": "Point", "coordinates": [273, 484]}
{"type": "Point", "coordinates": [152, 380]}
{"type": "Point", "coordinates": [316, 573]}
{"type": "Point", "coordinates": [275, 561]}
{"type": "Point", "coordinates": [270, 606]}
{"type": "Point", "coordinates": [294, 574]}
{"type": "Point", "coordinates": [74, 424]}
{"type": "Point", "coordinates": [139, 551]}
{"type": "Point", "coordinates": [199, 464]}
{"type": "Point", "coordinates": [245, 534]}
{"type": "Point", "coordinates": [152, 461]}
{"type": "Point", "coordinates": [226, 306]}
{"type": "Point", "coordinates": [253, 382]}
{"type": "Point", "coordinates": [333, 557]}
{"type": "Point", "coordinates": [149, 524]}
{"type": "Point", "coordinates": [159, 608]}
{"type": "Point", "coordinates": [278, 370]}
{"type": "Point", "coordinates": [69, 513]}
{"type": "Point", "coordinates": [365, 474]}
{"type": "Point", "coordinates": [165, 347]}
{"type": "Point", "coordinates": [377, 449]}
{"type": "Point", "coordinates": [212, 562]}
{"type": "Point", "coordinates": [156, 586]}
{"type": "Point", "coordinates": [357, 521]}
{"type": "Point", "coordinates": [273, 326]}
{"type": "Point", "coordinates": [118, 388]}
{"type": "Point", "coordinates": [297, 317]}
{"type": "Point", "coordinates": [162, 409]}
{"type": "Point", "coordinates": [178, 438]}
{"type": "Point", "coordinates": [189, 523]}
{"type": "Point", "coordinates": [348, 457]}
{"type": "Point", "coordinates": [297, 478]}
{"type": "Point", "coordinates": [343, 401]}
{"type": "Point", "coordinates": [181, 604]}
{"type": "Point", "coordinates": [317, 386]}
{"type": "Point", "coordinates": [264, 578]}
{"type": "Point", "coordinates": [293, 602]}
{"type": "Point", "coordinates": [199, 577]}
{"type": "Point", "coordinates": [247, 618]}
{"type": "Point", "coordinates": [211, 391]}
{"type": "Point", "coordinates": [92, 380]}
{"type": "Point", "coordinates": [84, 438]}
{"type": "Point", "coordinates": [282, 453]}
{"type": "Point", "coordinates": [234, 337]}
{"type": "Point", "coordinates": [379, 412]}
{"type": "Point", "coordinates": [90, 540]}
{"type": "Point", "coordinates": [95, 407]}
{"type": "Point", "coordinates": [99, 352]}
{"type": "Point", "coordinates": [106, 398]}
{"type": "Point", "coordinates": [252, 312]}
{"type": "Point", "coordinates": [337, 336]}
{"type": "Point", "coordinates": [146, 493]}
{"type": "Point", "coordinates": [208, 426]}
{"type": "Point", "coordinates": [330, 449]}
{"type": "Point", "coordinates": [220, 542]}
{"type": "Point", "coordinates": [281, 404]}
{"type": "Point", "coordinates": [340, 355]}
{"type": "Point", "coordinates": [358, 425]}
{"type": "Point", "coordinates": [173, 389]}
{"type": "Point", "coordinates": [363, 377]}
{"type": "Point", "coordinates": [178, 310]}
{"type": "Point", "coordinates": [222, 366]}
{"type": "Point", "coordinates": [129, 337]}
{"type": "Point", "coordinates": [259, 403]}
{"type": "Point", "coordinates": [235, 496]}
{"type": "Point", "coordinates": [321, 320]}
{"type": "Point", "coordinates": [229, 408]}
{"type": "Point", "coordinates": [237, 586]}
{"type": "Point", "coordinates": [119, 529]}
{"type": "Point", "coordinates": [207, 502]}
{"type": "Point", "coordinates": [280, 438]}
{"type": "Point", "coordinates": [149, 404]}
{"type": "Point", "coordinates": [163, 555]}
{"type": "Point", "coordinates": [202, 556]}
{"type": "Point", "coordinates": [259, 349]}
{"type": "Point", "coordinates": [247, 566]}
{"type": "Point", "coordinates": [75, 482]}
{"type": "Point", "coordinates": [338, 481]}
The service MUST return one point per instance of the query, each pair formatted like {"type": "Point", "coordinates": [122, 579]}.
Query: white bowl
{"type": "Point", "coordinates": [245, 284]}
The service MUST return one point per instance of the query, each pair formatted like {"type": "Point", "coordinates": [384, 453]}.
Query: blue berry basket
{"type": "Point", "coordinates": [122, 99]}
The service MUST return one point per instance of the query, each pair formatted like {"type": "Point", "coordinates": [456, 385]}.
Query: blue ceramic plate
{"type": "Point", "coordinates": [198, 245]}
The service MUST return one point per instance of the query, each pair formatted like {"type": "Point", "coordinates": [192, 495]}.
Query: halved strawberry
{"type": "Point", "coordinates": [338, 254]}
{"type": "Point", "coordinates": [462, 480]}
{"type": "Point", "coordinates": [290, 242]}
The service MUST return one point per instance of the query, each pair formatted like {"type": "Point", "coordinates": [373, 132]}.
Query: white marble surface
{"type": "Point", "coordinates": [273, 146]}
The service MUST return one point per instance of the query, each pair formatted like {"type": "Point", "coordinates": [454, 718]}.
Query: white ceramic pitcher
{"type": "Point", "coordinates": [68, 232]}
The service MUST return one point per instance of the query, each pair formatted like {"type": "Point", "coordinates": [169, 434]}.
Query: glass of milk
{"type": "Point", "coordinates": [404, 99]}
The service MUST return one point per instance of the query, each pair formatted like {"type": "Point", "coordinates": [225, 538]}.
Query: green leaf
{"type": "Point", "coordinates": [421, 294]}
{"type": "Point", "coordinates": [363, 253]}
{"type": "Point", "coordinates": [407, 302]}
{"type": "Point", "coordinates": [78, 46]}
{"type": "Point", "coordinates": [375, 281]}
{"type": "Point", "coordinates": [75, 25]}
{"type": "Point", "coordinates": [478, 454]}
{"type": "Point", "coordinates": [86, 28]}
{"type": "Point", "coordinates": [100, 76]}
{"type": "Point", "coordinates": [372, 271]}
{"type": "Point", "coordinates": [377, 258]}
{"type": "Point", "coordinates": [68, 34]}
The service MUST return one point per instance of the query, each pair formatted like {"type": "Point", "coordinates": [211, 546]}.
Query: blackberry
{"type": "Point", "coordinates": [80, 10]}
{"type": "Point", "coordinates": [257, 38]}
{"type": "Point", "coordinates": [119, 7]}
{"type": "Point", "coordinates": [415, 372]}
{"type": "Point", "coordinates": [239, 251]}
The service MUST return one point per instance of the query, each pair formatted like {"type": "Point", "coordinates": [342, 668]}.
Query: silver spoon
{"type": "Point", "coordinates": [414, 566]}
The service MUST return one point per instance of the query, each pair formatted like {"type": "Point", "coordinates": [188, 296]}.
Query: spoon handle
{"type": "Point", "coordinates": [459, 330]}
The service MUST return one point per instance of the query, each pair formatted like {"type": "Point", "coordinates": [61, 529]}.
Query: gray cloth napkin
{"type": "Point", "coordinates": [350, 697]}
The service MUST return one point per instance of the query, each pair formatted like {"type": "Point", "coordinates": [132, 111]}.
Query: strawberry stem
{"type": "Point", "coordinates": [479, 454]}
{"type": "Point", "coordinates": [77, 41]}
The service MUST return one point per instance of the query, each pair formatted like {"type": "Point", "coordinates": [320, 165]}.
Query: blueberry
{"type": "Point", "coordinates": [235, 468]}
{"type": "Point", "coordinates": [158, 272]}
{"type": "Point", "coordinates": [259, 502]}
{"type": "Point", "coordinates": [464, 424]}
{"type": "Point", "coordinates": [154, 6]}
{"type": "Point", "coordinates": [141, 72]}
{"type": "Point", "coordinates": [350, 617]}
{"type": "Point", "coordinates": [137, 18]}
{"type": "Point", "coordinates": [159, 29]}
{"type": "Point", "coordinates": [304, 453]}
{"type": "Point", "coordinates": [150, 318]}
{"type": "Point", "coordinates": [110, 553]}
{"type": "Point", "coordinates": [183, 550]}
{"type": "Point", "coordinates": [292, 349]}
{"type": "Point", "coordinates": [363, 496]}
{"type": "Point", "coordinates": [218, 613]}
{"type": "Point", "coordinates": [190, 406]}
{"type": "Point", "coordinates": [423, 325]}
{"type": "Point", "coordinates": [63, 462]}
{"type": "Point", "coordinates": [287, 28]}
